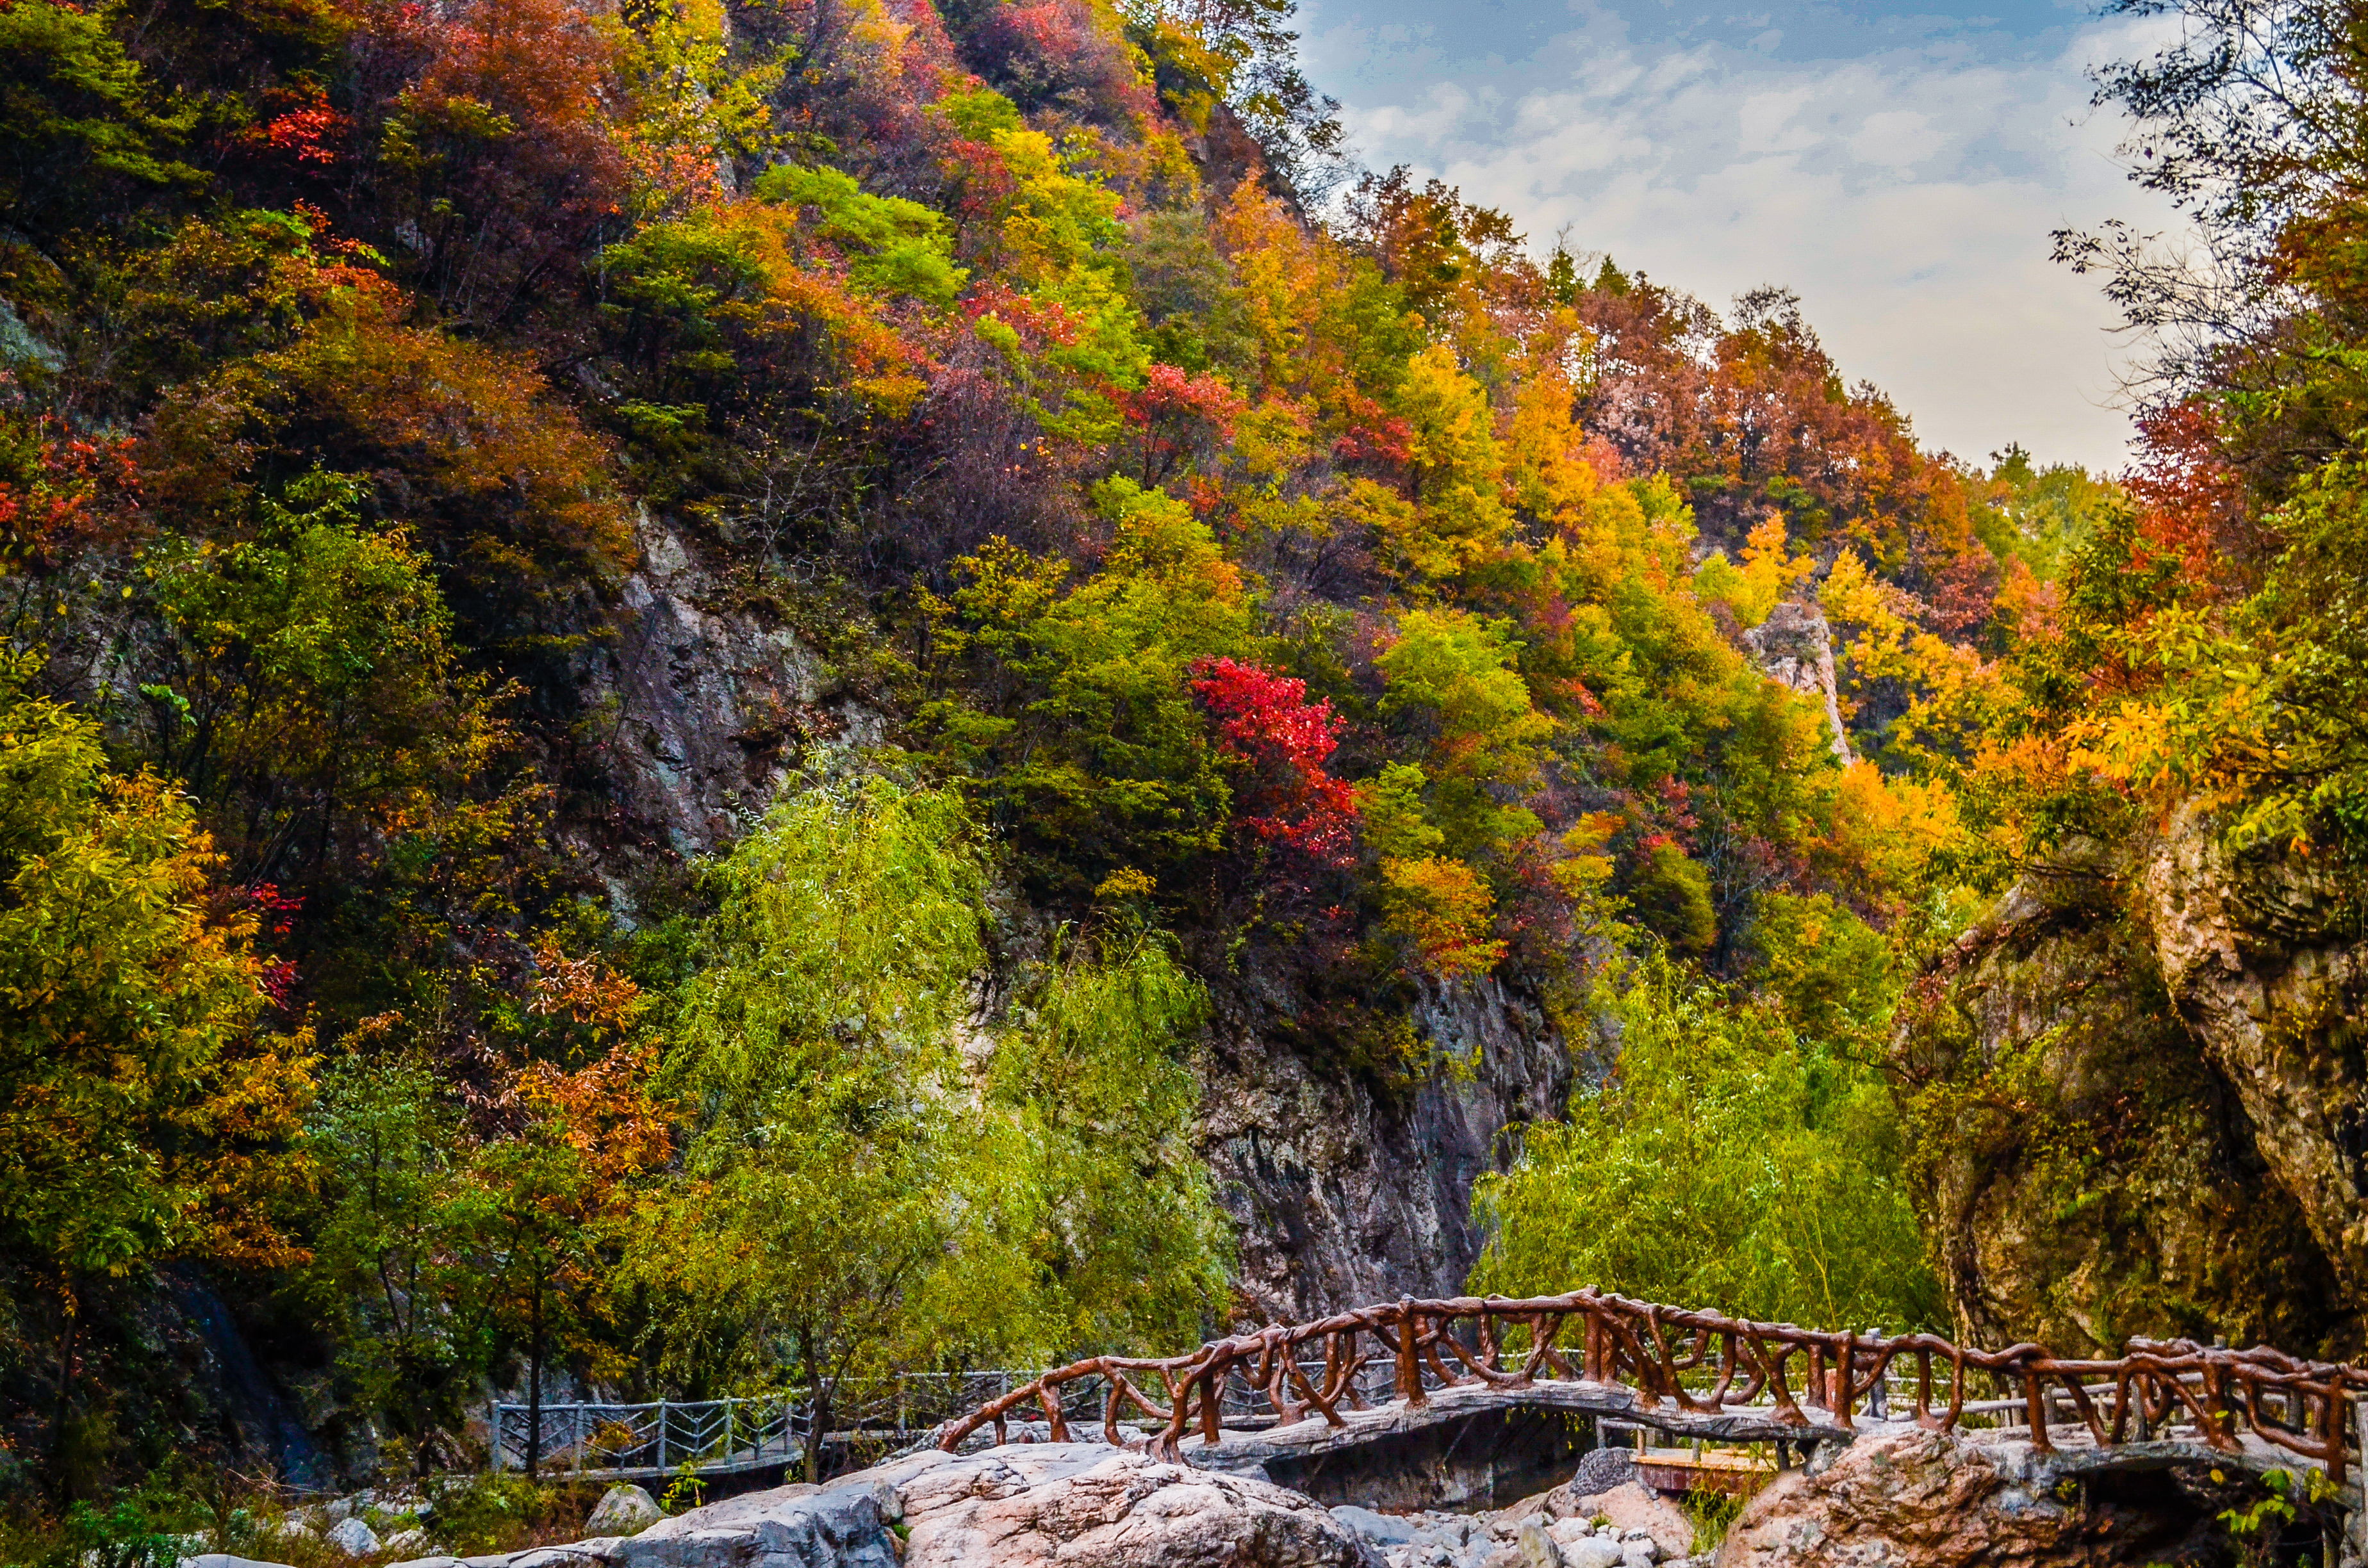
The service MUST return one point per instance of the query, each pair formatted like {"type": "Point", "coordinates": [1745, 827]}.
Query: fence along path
{"type": "Point", "coordinates": [607, 1440]}
{"type": "Point", "coordinates": [1696, 1364]}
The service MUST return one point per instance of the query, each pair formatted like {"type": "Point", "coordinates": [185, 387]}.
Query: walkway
{"type": "Point", "coordinates": [1693, 1375]}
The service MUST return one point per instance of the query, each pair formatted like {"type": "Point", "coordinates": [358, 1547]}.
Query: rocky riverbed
{"type": "Point", "coordinates": [1088, 1506]}
{"type": "Point", "coordinates": [1899, 1498]}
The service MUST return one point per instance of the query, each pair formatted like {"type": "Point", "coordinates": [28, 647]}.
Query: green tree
{"type": "Point", "coordinates": [395, 1243]}
{"type": "Point", "coordinates": [79, 121]}
{"type": "Point", "coordinates": [1096, 755]}
{"type": "Point", "coordinates": [877, 1183]}
{"type": "Point", "coordinates": [816, 1056]}
{"type": "Point", "coordinates": [315, 696]}
{"type": "Point", "coordinates": [1096, 1180]}
{"type": "Point", "coordinates": [1727, 1162]}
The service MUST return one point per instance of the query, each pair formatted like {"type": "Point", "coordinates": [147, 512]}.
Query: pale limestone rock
{"type": "Point", "coordinates": [1083, 1506]}
{"type": "Point", "coordinates": [1537, 1548]}
{"type": "Point", "coordinates": [1636, 1510]}
{"type": "Point", "coordinates": [624, 1510]}
{"type": "Point", "coordinates": [353, 1537]}
{"type": "Point", "coordinates": [1918, 1499]}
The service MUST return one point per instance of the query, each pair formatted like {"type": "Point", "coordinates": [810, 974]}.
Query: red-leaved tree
{"type": "Point", "coordinates": [1287, 798]}
{"type": "Point", "coordinates": [1183, 418]}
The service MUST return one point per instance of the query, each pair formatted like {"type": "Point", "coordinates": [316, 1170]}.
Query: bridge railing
{"type": "Point", "coordinates": [742, 1432]}
{"type": "Point", "coordinates": [1704, 1362]}
{"type": "Point", "coordinates": [659, 1435]}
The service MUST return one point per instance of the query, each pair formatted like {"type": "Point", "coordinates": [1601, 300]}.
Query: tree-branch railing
{"type": "Point", "coordinates": [1702, 1363]}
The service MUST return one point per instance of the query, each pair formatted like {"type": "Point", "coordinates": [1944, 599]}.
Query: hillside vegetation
{"type": "Point", "coordinates": [1223, 572]}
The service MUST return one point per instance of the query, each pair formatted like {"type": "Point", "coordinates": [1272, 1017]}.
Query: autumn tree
{"type": "Point", "coordinates": [140, 1093]}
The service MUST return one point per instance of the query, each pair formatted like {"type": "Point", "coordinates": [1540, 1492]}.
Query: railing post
{"type": "Point", "coordinates": [662, 1435]}
{"type": "Point", "coordinates": [2358, 1523]}
{"type": "Point", "coordinates": [1409, 1360]}
{"type": "Point", "coordinates": [496, 1444]}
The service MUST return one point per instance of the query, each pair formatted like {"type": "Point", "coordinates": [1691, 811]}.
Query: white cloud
{"type": "Point", "coordinates": [1896, 139]}
{"type": "Point", "coordinates": [1908, 196]}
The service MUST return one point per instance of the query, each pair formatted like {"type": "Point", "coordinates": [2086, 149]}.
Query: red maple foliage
{"type": "Point", "coordinates": [303, 129]}
{"type": "Point", "coordinates": [61, 494]}
{"type": "Point", "coordinates": [1266, 720]}
{"type": "Point", "coordinates": [2192, 502]}
{"type": "Point", "coordinates": [1181, 415]}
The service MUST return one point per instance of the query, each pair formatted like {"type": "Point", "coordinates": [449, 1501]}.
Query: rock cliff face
{"type": "Point", "coordinates": [1795, 645]}
{"type": "Point", "coordinates": [1348, 1188]}
{"type": "Point", "coordinates": [2139, 1102]}
{"type": "Point", "coordinates": [698, 705]}
{"type": "Point", "coordinates": [2267, 961]}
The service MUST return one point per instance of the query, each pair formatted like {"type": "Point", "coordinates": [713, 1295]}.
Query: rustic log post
{"type": "Point", "coordinates": [1409, 1358]}
{"type": "Point", "coordinates": [2034, 1400]}
{"type": "Point", "coordinates": [2358, 1524]}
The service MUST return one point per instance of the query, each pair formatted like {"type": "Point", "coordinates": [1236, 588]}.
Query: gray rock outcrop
{"type": "Point", "coordinates": [2143, 1104]}
{"type": "Point", "coordinates": [1795, 646]}
{"type": "Point", "coordinates": [704, 703]}
{"type": "Point", "coordinates": [623, 1510]}
{"type": "Point", "coordinates": [1029, 1505]}
{"type": "Point", "coordinates": [1916, 1499]}
{"type": "Point", "coordinates": [1349, 1188]}
{"type": "Point", "coordinates": [1083, 1506]}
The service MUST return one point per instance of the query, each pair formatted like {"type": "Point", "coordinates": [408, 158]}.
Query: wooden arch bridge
{"type": "Point", "coordinates": [1382, 1370]}
{"type": "Point", "coordinates": [1287, 1397]}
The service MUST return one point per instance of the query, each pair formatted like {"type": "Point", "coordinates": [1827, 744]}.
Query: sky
{"type": "Point", "coordinates": [1900, 166]}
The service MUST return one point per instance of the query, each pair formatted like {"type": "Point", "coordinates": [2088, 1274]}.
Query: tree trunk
{"type": "Point", "coordinates": [68, 1336]}
{"type": "Point", "coordinates": [818, 1411]}
{"type": "Point", "coordinates": [534, 1380]}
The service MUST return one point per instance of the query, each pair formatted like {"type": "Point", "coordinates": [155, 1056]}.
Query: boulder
{"type": "Point", "coordinates": [1382, 1529]}
{"type": "Point", "coordinates": [1591, 1551]}
{"type": "Point", "coordinates": [1538, 1548]}
{"type": "Point", "coordinates": [353, 1537]}
{"type": "Point", "coordinates": [1028, 1506]}
{"type": "Point", "coordinates": [623, 1510]}
{"type": "Point", "coordinates": [1919, 1499]}
{"type": "Point", "coordinates": [1088, 1506]}
{"type": "Point", "coordinates": [843, 1526]}
{"type": "Point", "coordinates": [1601, 1469]}
{"type": "Point", "coordinates": [1635, 1510]}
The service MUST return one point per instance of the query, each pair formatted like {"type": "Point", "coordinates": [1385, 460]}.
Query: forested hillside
{"type": "Point", "coordinates": [688, 689]}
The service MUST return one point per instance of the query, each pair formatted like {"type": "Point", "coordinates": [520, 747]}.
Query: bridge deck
{"type": "Point", "coordinates": [2074, 1451]}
